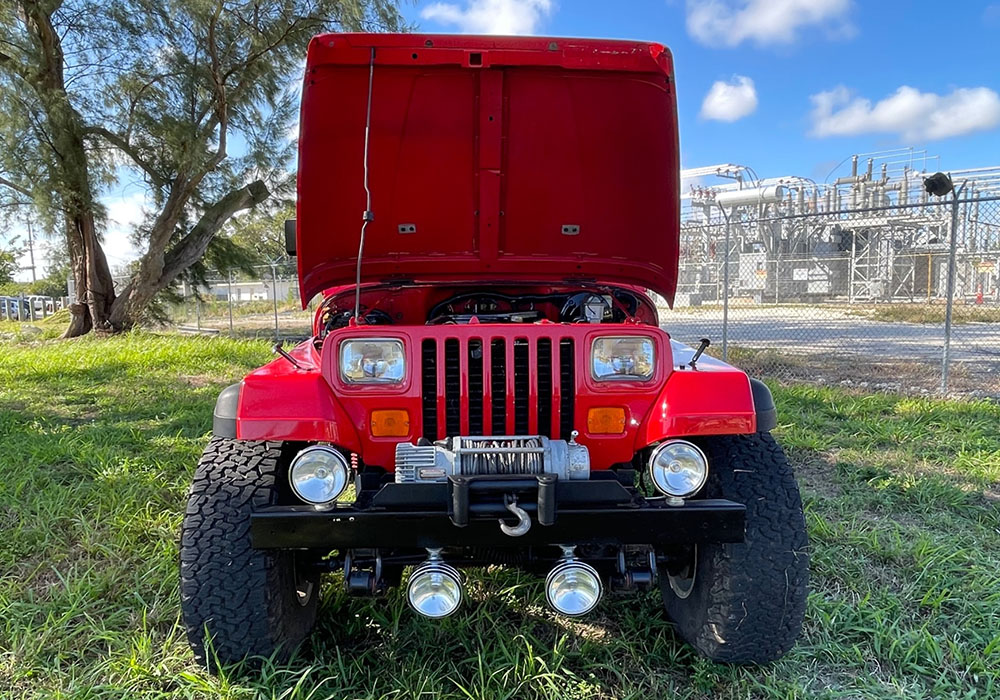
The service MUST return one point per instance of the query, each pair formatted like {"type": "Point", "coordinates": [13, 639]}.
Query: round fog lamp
{"type": "Point", "coordinates": [318, 475]}
{"type": "Point", "coordinates": [678, 468]}
{"type": "Point", "coordinates": [434, 589]}
{"type": "Point", "coordinates": [573, 588]}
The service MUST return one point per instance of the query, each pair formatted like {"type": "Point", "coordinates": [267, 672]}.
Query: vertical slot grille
{"type": "Point", "coordinates": [428, 388]}
{"type": "Point", "coordinates": [452, 388]}
{"type": "Point", "coordinates": [471, 407]}
{"type": "Point", "coordinates": [521, 380]}
{"type": "Point", "coordinates": [567, 375]}
{"type": "Point", "coordinates": [544, 386]}
{"type": "Point", "coordinates": [498, 386]}
{"type": "Point", "coordinates": [475, 387]}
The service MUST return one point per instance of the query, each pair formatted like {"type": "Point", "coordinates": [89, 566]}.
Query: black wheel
{"type": "Point", "coordinates": [744, 603]}
{"type": "Point", "coordinates": [249, 603]}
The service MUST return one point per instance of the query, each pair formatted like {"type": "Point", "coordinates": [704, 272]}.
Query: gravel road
{"type": "Point", "coordinates": [816, 330]}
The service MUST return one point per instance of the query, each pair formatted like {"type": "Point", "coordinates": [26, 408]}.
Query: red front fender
{"type": "Point", "coordinates": [714, 399]}
{"type": "Point", "coordinates": [282, 402]}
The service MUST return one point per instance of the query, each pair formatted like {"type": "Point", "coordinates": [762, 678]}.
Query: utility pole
{"type": "Point", "coordinates": [31, 252]}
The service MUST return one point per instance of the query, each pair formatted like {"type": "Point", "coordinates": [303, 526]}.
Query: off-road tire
{"type": "Point", "coordinates": [747, 600]}
{"type": "Point", "coordinates": [244, 600]}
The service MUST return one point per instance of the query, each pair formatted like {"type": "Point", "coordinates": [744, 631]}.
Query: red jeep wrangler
{"type": "Point", "coordinates": [487, 381]}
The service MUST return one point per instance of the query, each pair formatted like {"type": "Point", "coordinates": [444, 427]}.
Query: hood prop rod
{"type": "Point", "coordinates": [368, 215]}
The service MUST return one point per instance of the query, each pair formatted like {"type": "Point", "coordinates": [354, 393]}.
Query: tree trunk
{"type": "Point", "coordinates": [95, 292]}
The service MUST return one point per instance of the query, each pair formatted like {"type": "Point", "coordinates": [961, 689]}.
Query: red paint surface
{"type": "Point", "coordinates": [488, 146]}
{"type": "Point", "coordinates": [280, 402]}
{"type": "Point", "coordinates": [706, 401]}
{"type": "Point", "coordinates": [489, 161]}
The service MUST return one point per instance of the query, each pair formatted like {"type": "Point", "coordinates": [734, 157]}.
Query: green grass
{"type": "Point", "coordinates": [922, 312]}
{"type": "Point", "coordinates": [100, 436]}
{"type": "Point", "coordinates": [215, 309]}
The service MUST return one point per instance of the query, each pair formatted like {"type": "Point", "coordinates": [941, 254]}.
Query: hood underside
{"type": "Point", "coordinates": [489, 158]}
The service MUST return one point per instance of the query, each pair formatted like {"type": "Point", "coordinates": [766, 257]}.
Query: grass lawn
{"type": "Point", "coordinates": [928, 313]}
{"type": "Point", "coordinates": [100, 437]}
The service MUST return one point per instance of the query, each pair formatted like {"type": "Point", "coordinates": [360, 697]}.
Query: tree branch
{"type": "Point", "coordinates": [193, 245]}
{"type": "Point", "coordinates": [17, 188]}
{"type": "Point", "coordinates": [222, 105]}
{"type": "Point", "coordinates": [125, 147]}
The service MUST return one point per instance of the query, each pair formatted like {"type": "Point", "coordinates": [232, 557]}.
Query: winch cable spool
{"type": "Point", "coordinates": [368, 214]}
{"type": "Point", "coordinates": [504, 461]}
{"type": "Point", "coordinates": [500, 455]}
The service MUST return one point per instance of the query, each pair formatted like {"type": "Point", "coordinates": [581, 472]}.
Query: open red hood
{"type": "Point", "coordinates": [490, 158]}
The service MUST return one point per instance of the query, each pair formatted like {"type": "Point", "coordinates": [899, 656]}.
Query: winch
{"type": "Point", "coordinates": [491, 454]}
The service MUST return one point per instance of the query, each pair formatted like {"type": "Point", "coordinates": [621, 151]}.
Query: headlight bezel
{"type": "Point", "coordinates": [392, 383]}
{"type": "Point", "coordinates": [617, 379]}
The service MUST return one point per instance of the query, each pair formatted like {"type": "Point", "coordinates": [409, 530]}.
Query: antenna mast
{"type": "Point", "coordinates": [368, 215]}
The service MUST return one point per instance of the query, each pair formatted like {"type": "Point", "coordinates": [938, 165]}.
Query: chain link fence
{"type": "Point", "coordinates": [857, 297]}
{"type": "Point", "coordinates": [862, 296]}
{"type": "Point", "coordinates": [262, 304]}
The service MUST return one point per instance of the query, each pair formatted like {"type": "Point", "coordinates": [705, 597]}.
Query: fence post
{"type": "Point", "coordinates": [950, 289]}
{"type": "Point", "coordinates": [274, 296]}
{"type": "Point", "coordinates": [197, 311]}
{"type": "Point", "coordinates": [725, 291]}
{"type": "Point", "coordinates": [229, 296]}
{"type": "Point", "coordinates": [850, 271]}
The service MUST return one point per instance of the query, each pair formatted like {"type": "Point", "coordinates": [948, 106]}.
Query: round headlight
{"type": "Point", "coordinates": [318, 475]}
{"type": "Point", "coordinates": [678, 468]}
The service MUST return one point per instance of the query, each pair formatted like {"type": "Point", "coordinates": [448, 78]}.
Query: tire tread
{"type": "Point", "coordinates": [753, 607]}
{"type": "Point", "coordinates": [239, 596]}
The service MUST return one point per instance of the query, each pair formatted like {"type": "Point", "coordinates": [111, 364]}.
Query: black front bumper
{"type": "Point", "coordinates": [464, 512]}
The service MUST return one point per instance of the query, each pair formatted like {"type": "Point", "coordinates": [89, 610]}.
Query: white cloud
{"type": "Point", "coordinates": [763, 22]}
{"type": "Point", "coordinates": [909, 113]}
{"type": "Point", "coordinates": [730, 101]}
{"type": "Point", "coordinates": [491, 16]}
{"type": "Point", "coordinates": [991, 15]}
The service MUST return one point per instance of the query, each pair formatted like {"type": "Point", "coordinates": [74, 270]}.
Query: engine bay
{"type": "Point", "coordinates": [428, 305]}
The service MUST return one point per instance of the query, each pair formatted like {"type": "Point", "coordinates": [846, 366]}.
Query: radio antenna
{"type": "Point", "coordinates": [368, 215]}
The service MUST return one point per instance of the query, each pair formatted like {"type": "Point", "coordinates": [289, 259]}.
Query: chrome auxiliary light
{"type": "Point", "coordinates": [435, 588]}
{"type": "Point", "coordinates": [573, 587]}
{"type": "Point", "coordinates": [678, 469]}
{"type": "Point", "coordinates": [318, 475]}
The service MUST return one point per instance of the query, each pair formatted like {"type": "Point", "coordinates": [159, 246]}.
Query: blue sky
{"type": "Point", "coordinates": [784, 53]}
{"type": "Point", "coordinates": [788, 87]}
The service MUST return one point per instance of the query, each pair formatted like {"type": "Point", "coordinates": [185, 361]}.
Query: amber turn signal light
{"type": "Point", "coordinates": [390, 423]}
{"type": "Point", "coordinates": [606, 421]}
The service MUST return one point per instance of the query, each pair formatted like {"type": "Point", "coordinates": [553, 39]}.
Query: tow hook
{"type": "Point", "coordinates": [523, 519]}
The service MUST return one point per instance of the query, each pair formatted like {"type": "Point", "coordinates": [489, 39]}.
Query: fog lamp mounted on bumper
{"type": "Point", "coordinates": [318, 475]}
{"type": "Point", "coordinates": [678, 469]}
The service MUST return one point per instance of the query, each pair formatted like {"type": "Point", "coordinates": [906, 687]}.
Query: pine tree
{"type": "Point", "coordinates": [194, 98]}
